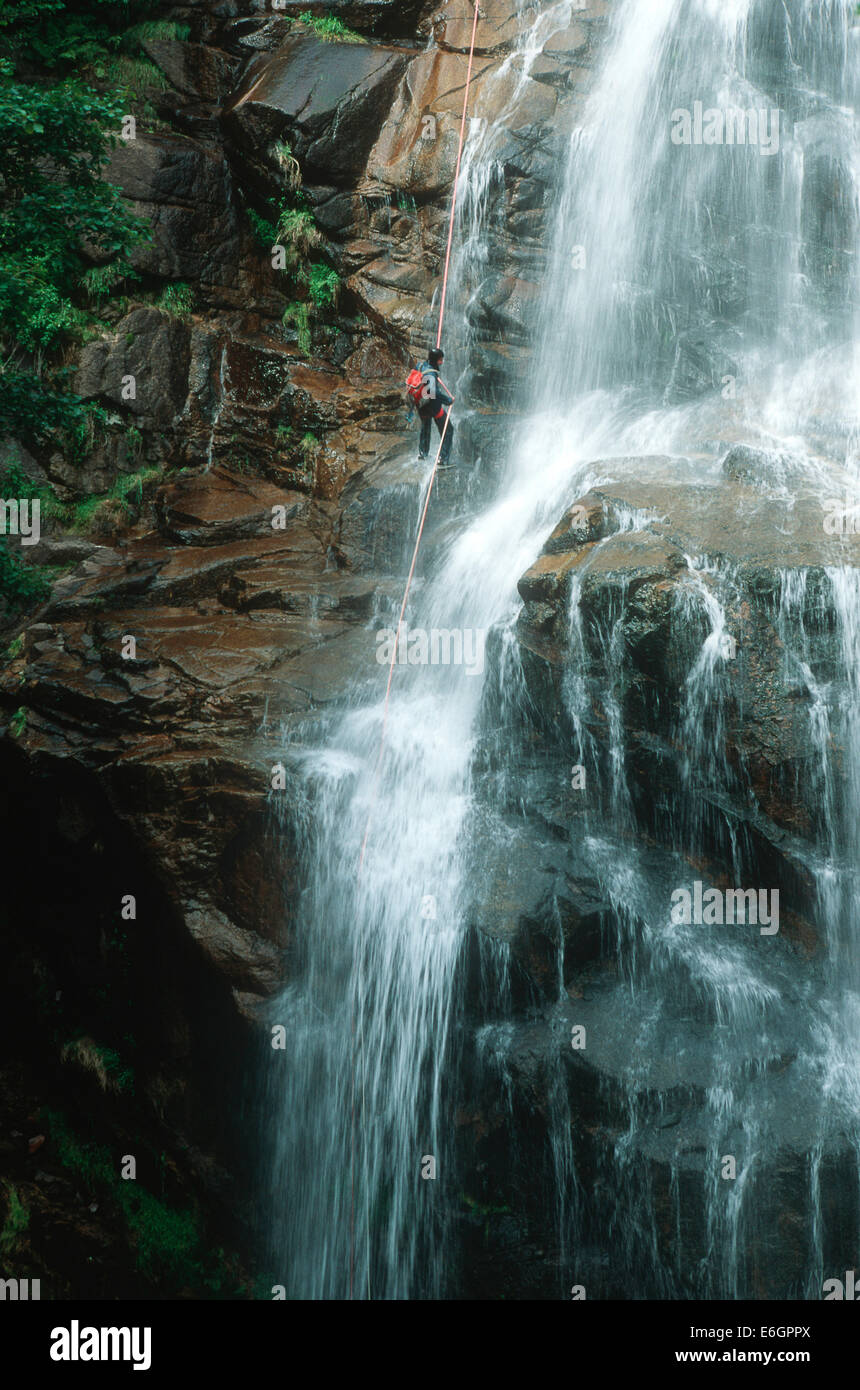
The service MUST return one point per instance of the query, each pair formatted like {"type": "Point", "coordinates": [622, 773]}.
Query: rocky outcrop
{"type": "Point", "coordinates": [654, 638]}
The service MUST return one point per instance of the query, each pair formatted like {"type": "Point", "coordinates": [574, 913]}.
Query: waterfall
{"type": "Point", "coordinates": [691, 302]}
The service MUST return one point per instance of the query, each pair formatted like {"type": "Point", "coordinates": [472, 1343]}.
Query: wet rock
{"type": "Point", "coordinates": [759, 467]}
{"type": "Point", "coordinates": [149, 346]}
{"type": "Point", "coordinates": [185, 192]}
{"type": "Point", "coordinates": [327, 99]}
{"type": "Point", "coordinates": [196, 70]}
{"type": "Point", "coordinates": [221, 507]}
{"type": "Point", "coordinates": [237, 954]}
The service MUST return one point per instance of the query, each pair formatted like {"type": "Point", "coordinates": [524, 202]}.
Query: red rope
{"type": "Point", "coordinates": [378, 768]}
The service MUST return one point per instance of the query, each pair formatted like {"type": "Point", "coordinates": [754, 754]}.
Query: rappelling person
{"type": "Point", "coordinates": [433, 400]}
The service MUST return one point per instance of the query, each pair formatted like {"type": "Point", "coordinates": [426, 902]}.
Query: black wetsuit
{"type": "Point", "coordinates": [436, 408]}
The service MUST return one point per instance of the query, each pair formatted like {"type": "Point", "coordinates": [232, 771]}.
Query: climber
{"type": "Point", "coordinates": [435, 405]}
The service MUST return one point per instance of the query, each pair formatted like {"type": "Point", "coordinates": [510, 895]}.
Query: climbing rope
{"type": "Point", "coordinates": [378, 767]}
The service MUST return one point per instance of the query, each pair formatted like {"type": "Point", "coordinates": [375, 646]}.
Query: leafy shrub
{"type": "Point", "coordinates": [55, 139]}
{"type": "Point", "coordinates": [324, 285]}
{"type": "Point", "coordinates": [22, 585]}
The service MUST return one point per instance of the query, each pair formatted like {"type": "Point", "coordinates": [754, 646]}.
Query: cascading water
{"type": "Point", "coordinates": [369, 1023]}
{"type": "Point", "coordinates": [692, 302]}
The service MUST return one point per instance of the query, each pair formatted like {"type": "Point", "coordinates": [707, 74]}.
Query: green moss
{"type": "Point", "coordinates": [18, 722]}
{"type": "Point", "coordinates": [166, 1240]}
{"type": "Point", "coordinates": [85, 512]}
{"type": "Point", "coordinates": [134, 439]}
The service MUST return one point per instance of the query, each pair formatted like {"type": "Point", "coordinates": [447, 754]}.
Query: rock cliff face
{"type": "Point", "coordinates": [277, 524]}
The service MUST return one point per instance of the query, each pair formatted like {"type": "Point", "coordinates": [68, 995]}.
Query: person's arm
{"type": "Point", "coordinates": [442, 394]}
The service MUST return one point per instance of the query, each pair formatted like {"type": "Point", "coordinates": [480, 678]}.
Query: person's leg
{"type": "Point", "coordinates": [424, 438]}
{"type": "Point", "coordinates": [448, 439]}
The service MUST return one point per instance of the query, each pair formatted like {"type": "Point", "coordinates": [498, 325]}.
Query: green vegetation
{"type": "Point", "coordinates": [69, 73]}
{"type": "Point", "coordinates": [293, 235]}
{"type": "Point", "coordinates": [298, 233]}
{"type": "Point", "coordinates": [484, 1212]}
{"type": "Point", "coordinates": [100, 280]}
{"type": "Point", "coordinates": [106, 515]}
{"type": "Point", "coordinates": [53, 143]}
{"type": "Point", "coordinates": [288, 162]}
{"type": "Point", "coordinates": [299, 315]}
{"type": "Point", "coordinates": [22, 586]}
{"type": "Point", "coordinates": [263, 230]}
{"type": "Point", "coordinates": [134, 438]}
{"type": "Point", "coordinates": [478, 1209]}
{"type": "Point", "coordinates": [92, 38]}
{"type": "Point", "coordinates": [167, 1241]}
{"type": "Point", "coordinates": [18, 722]}
{"type": "Point", "coordinates": [309, 447]}
{"type": "Point", "coordinates": [17, 1220]}
{"type": "Point", "coordinates": [15, 647]}
{"type": "Point", "coordinates": [111, 1072]}
{"type": "Point", "coordinates": [330, 28]}
{"type": "Point", "coordinates": [318, 284]}
{"type": "Point", "coordinates": [323, 285]}
{"type": "Point", "coordinates": [176, 300]}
